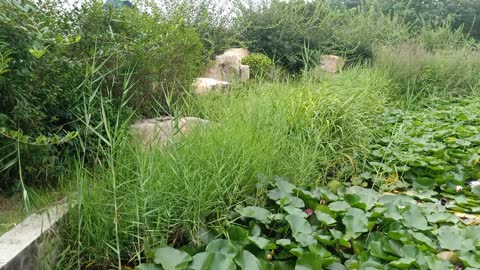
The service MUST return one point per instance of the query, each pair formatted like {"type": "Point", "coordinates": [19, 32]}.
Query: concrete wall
{"type": "Point", "coordinates": [33, 244]}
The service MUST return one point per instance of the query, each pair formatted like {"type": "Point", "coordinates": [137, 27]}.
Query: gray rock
{"type": "Point", "coordinates": [164, 130]}
{"type": "Point", "coordinates": [331, 63]}
{"type": "Point", "coordinates": [228, 66]}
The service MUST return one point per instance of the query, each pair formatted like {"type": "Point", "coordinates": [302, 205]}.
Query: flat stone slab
{"type": "Point", "coordinates": [31, 241]}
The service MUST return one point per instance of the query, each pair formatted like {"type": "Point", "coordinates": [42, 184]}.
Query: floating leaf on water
{"type": "Point", "coordinates": [172, 259]}
{"type": "Point", "coordinates": [414, 218]}
{"type": "Point", "coordinates": [340, 206]}
{"type": "Point", "coordinates": [309, 261]}
{"type": "Point", "coordinates": [355, 221]}
{"type": "Point", "coordinates": [209, 261]}
{"type": "Point", "coordinates": [258, 213]}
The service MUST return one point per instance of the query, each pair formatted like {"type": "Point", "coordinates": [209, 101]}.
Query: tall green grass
{"type": "Point", "coordinates": [137, 199]}
{"type": "Point", "coordinates": [419, 73]}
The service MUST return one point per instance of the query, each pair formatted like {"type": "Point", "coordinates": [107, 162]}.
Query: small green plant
{"type": "Point", "coordinates": [260, 64]}
{"type": "Point", "coordinates": [349, 228]}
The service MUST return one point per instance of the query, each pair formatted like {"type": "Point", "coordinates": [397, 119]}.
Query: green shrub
{"type": "Point", "coordinates": [38, 88]}
{"type": "Point", "coordinates": [163, 55]}
{"type": "Point", "coordinates": [260, 64]}
{"type": "Point", "coordinates": [282, 29]}
{"type": "Point", "coordinates": [52, 59]}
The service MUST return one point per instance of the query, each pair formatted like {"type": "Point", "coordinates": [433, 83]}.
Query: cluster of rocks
{"type": "Point", "coordinates": [227, 68]}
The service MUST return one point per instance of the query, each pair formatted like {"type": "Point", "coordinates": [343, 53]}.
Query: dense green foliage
{"type": "Point", "coordinates": [282, 30]}
{"type": "Point", "coordinates": [260, 64]}
{"type": "Point", "coordinates": [168, 195]}
{"type": "Point", "coordinates": [418, 73]}
{"type": "Point", "coordinates": [433, 149]}
{"type": "Point", "coordinates": [71, 81]}
{"type": "Point", "coordinates": [463, 13]}
{"type": "Point", "coordinates": [350, 228]}
{"type": "Point", "coordinates": [51, 59]}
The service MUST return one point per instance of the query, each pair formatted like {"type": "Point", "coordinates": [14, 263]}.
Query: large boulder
{"type": "Point", "coordinates": [331, 63]}
{"type": "Point", "coordinates": [205, 85]}
{"type": "Point", "coordinates": [164, 130]}
{"type": "Point", "coordinates": [228, 66]}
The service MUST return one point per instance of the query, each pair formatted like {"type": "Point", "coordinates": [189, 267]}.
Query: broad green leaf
{"type": "Point", "coordinates": [262, 243]}
{"type": "Point", "coordinates": [284, 242]}
{"type": "Point", "coordinates": [237, 233]}
{"type": "Point", "coordinates": [210, 261]}
{"type": "Point", "coordinates": [305, 239]}
{"type": "Point", "coordinates": [420, 237]}
{"type": "Point", "coordinates": [324, 218]}
{"type": "Point", "coordinates": [324, 239]}
{"type": "Point", "coordinates": [442, 218]}
{"type": "Point", "coordinates": [327, 194]}
{"type": "Point", "coordinates": [355, 221]}
{"type": "Point", "coordinates": [473, 233]}
{"type": "Point", "coordinates": [452, 238]}
{"type": "Point", "coordinates": [424, 182]}
{"type": "Point", "coordinates": [224, 247]}
{"type": "Point", "coordinates": [309, 261]}
{"type": "Point", "coordinates": [361, 197]}
{"type": "Point", "coordinates": [247, 261]}
{"type": "Point", "coordinates": [476, 190]}
{"type": "Point", "coordinates": [295, 211]}
{"type": "Point", "coordinates": [298, 224]}
{"type": "Point", "coordinates": [282, 265]}
{"type": "Point", "coordinates": [284, 186]}
{"type": "Point", "coordinates": [258, 213]}
{"type": "Point", "coordinates": [301, 230]}
{"type": "Point", "coordinates": [414, 218]}
{"type": "Point", "coordinates": [376, 249]}
{"type": "Point", "coordinates": [370, 265]}
{"type": "Point", "coordinates": [172, 259]}
{"type": "Point", "coordinates": [255, 229]}
{"type": "Point", "coordinates": [320, 250]}
{"type": "Point", "coordinates": [471, 259]}
{"type": "Point", "coordinates": [309, 195]}
{"type": "Point", "coordinates": [336, 266]}
{"type": "Point", "coordinates": [340, 206]}
{"type": "Point", "coordinates": [403, 263]}
{"type": "Point", "coordinates": [434, 263]}
{"type": "Point", "coordinates": [297, 251]}
{"type": "Point", "coordinates": [392, 211]}
{"type": "Point", "coordinates": [355, 201]}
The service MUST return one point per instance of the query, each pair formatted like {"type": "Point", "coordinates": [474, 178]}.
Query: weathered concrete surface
{"type": "Point", "coordinates": [33, 244]}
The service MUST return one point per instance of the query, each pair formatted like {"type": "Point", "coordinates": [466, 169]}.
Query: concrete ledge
{"type": "Point", "coordinates": [32, 244]}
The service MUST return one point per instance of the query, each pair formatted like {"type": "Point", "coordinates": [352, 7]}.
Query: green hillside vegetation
{"type": "Point", "coordinates": [373, 167]}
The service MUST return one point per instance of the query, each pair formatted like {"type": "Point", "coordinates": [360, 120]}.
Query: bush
{"type": "Point", "coordinates": [260, 64]}
{"type": "Point", "coordinates": [282, 30]}
{"type": "Point", "coordinates": [52, 61]}
{"type": "Point", "coordinates": [164, 56]}
{"type": "Point", "coordinates": [38, 88]}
